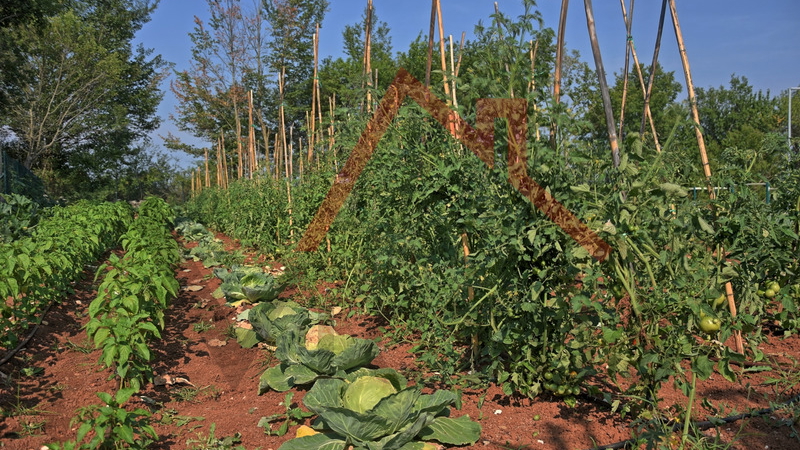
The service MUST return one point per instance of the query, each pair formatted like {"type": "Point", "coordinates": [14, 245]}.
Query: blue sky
{"type": "Point", "coordinates": [722, 37]}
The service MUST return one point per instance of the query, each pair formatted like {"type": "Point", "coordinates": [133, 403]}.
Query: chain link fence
{"type": "Point", "coordinates": [17, 179]}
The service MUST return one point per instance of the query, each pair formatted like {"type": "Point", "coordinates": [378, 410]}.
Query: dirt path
{"type": "Point", "coordinates": [57, 374]}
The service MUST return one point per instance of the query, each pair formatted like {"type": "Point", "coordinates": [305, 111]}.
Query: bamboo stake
{"type": "Point", "coordinates": [601, 75]}
{"type": "Point", "coordinates": [368, 55]}
{"type": "Point", "coordinates": [703, 154]}
{"type": "Point", "coordinates": [430, 45]}
{"type": "Point", "coordinates": [276, 151]}
{"type": "Point", "coordinates": [647, 114]}
{"type": "Point", "coordinates": [447, 94]}
{"type": "Point", "coordinates": [532, 86]}
{"type": "Point", "coordinates": [628, 46]}
{"type": "Point", "coordinates": [652, 80]}
{"type": "Point", "coordinates": [265, 138]}
{"type": "Point", "coordinates": [460, 53]}
{"type": "Point", "coordinates": [224, 160]}
{"type": "Point", "coordinates": [562, 26]}
{"type": "Point", "coordinates": [207, 177]}
{"type": "Point", "coordinates": [251, 135]}
{"type": "Point", "coordinates": [290, 154]}
{"type": "Point", "coordinates": [219, 164]}
{"type": "Point", "coordinates": [331, 139]}
{"type": "Point", "coordinates": [283, 120]}
{"type": "Point", "coordinates": [314, 86]}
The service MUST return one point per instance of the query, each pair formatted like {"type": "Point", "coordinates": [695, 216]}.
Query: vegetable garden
{"type": "Point", "coordinates": [443, 308]}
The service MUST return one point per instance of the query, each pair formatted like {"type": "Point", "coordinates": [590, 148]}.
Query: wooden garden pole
{"type": "Point", "coordinates": [653, 66]}
{"type": "Point", "coordinates": [219, 164]}
{"type": "Point", "coordinates": [368, 55]}
{"type": "Point", "coordinates": [442, 55]}
{"type": "Point", "coordinates": [628, 47]}
{"type": "Point", "coordinates": [331, 130]}
{"type": "Point", "coordinates": [562, 26]}
{"type": "Point", "coordinates": [532, 86]}
{"type": "Point", "coordinates": [283, 121]}
{"type": "Point", "coordinates": [277, 155]}
{"type": "Point", "coordinates": [445, 82]}
{"type": "Point", "coordinates": [647, 114]}
{"type": "Point", "coordinates": [251, 135]}
{"type": "Point", "coordinates": [207, 176]}
{"type": "Point", "coordinates": [601, 75]}
{"type": "Point", "coordinates": [703, 154]}
{"type": "Point", "coordinates": [314, 85]}
{"type": "Point", "coordinates": [265, 138]}
{"type": "Point", "coordinates": [224, 160]}
{"type": "Point", "coordinates": [428, 63]}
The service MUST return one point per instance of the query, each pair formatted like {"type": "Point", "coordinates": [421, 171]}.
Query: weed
{"type": "Point", "coordinates": [85, 346]}
{"type": "Point", "coordinates": [31, 371]}
{"type": "Point", "coordinates": [293, 415]}
{"type": "Point", "coordinates": [171, 417]}
{"type": "Point", "coordinates": [230, 331]}
{"type": "Point", "coordinates": [191, 394]}
{"type": "Point", "coordinates": [211, 442]}
{"type": "Point", "coordinates": [200, 327]}
{"type": "Point", "coordinates": [30, 428]}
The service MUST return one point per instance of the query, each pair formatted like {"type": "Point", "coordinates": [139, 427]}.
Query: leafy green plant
{"type": "Point", "coordinates": [293, 415]}
{"type": "Point", "coordinates": [321, 352]}
{"type": "Point", "coordinates": [212, 442]}
{"type": "Point", "coordinates": [200, 327]}
{"type": "Point", "coordinates": [248, 283]}
{"type": "Point", "coordinates": [111, 425]}
{"type": "Point", "coordinates": [376, 410]}
{"type": "Point", "coordinates": [270, 320]}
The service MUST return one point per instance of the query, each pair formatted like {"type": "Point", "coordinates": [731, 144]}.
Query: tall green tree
{"type": "Point", "coordinates": [344, 77]}
{"type": "Point", "coordinates": [665, 91]}
{"type": "Point", "coordinates": [292, 26]}
{"type": "Point", "coordinates": [86, 96]}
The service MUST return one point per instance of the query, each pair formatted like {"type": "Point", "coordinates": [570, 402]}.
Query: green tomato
{"type": "Point", "coordinates": [548, 376]}
{"type": "Point", "coordinates": [719, 301]}
{"type": "Point", "coordinates": [774, 286]}
{"type": "Point", "coordinates": [710, 324]}
{"type": "Point", "coordinates": [770, 293]}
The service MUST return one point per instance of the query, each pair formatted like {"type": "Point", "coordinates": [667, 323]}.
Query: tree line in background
{"type": "Point", "coordinates": [77, 100]}
{"type": "Point", "coordinates": [257, 89]}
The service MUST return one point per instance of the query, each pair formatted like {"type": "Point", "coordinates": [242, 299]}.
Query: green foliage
{"type": "Point", "coordinates": [128, 311]}
{"type": "Point", "coordinates": [110, 425]}
{"type": "Point", "coordinates": [293, 415]}
{"type": "Point", "coordinates": [398, 416]}
{"type": "Point", "coordinates": [93, 96]}
{"type": "Point", "coordinates": [18, 214]}
{"type": "Point", "coordinates": [248, 283]}
{"type": "Point", "coordinates": [38, 269]}
{"type": "Point", "coordinates": [302, 364]}
{"type": "Point", "coordinates": [452, 255]}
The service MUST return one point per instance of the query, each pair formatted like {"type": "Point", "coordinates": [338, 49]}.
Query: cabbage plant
{"type": "Point", "coordinates": [375, 410]}
{"type": "Point", "coordinates": [303, 360]}
{"type": "Point", "coordinates": [248, 283]}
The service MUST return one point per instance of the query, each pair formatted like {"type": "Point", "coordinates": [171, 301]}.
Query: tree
{"type": "Point", "coordinates": [293, 23]}
{"type": "Point", "coordinates": [210, 92]}
{"type": "Point", "coordinates": [344, 77]}
{"type": "Point", "coordinates": [86, 96]}
{"type": "Point", "coordinates": [665, 91]}
{"type": "Point", "coordinates": [13, 14]}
